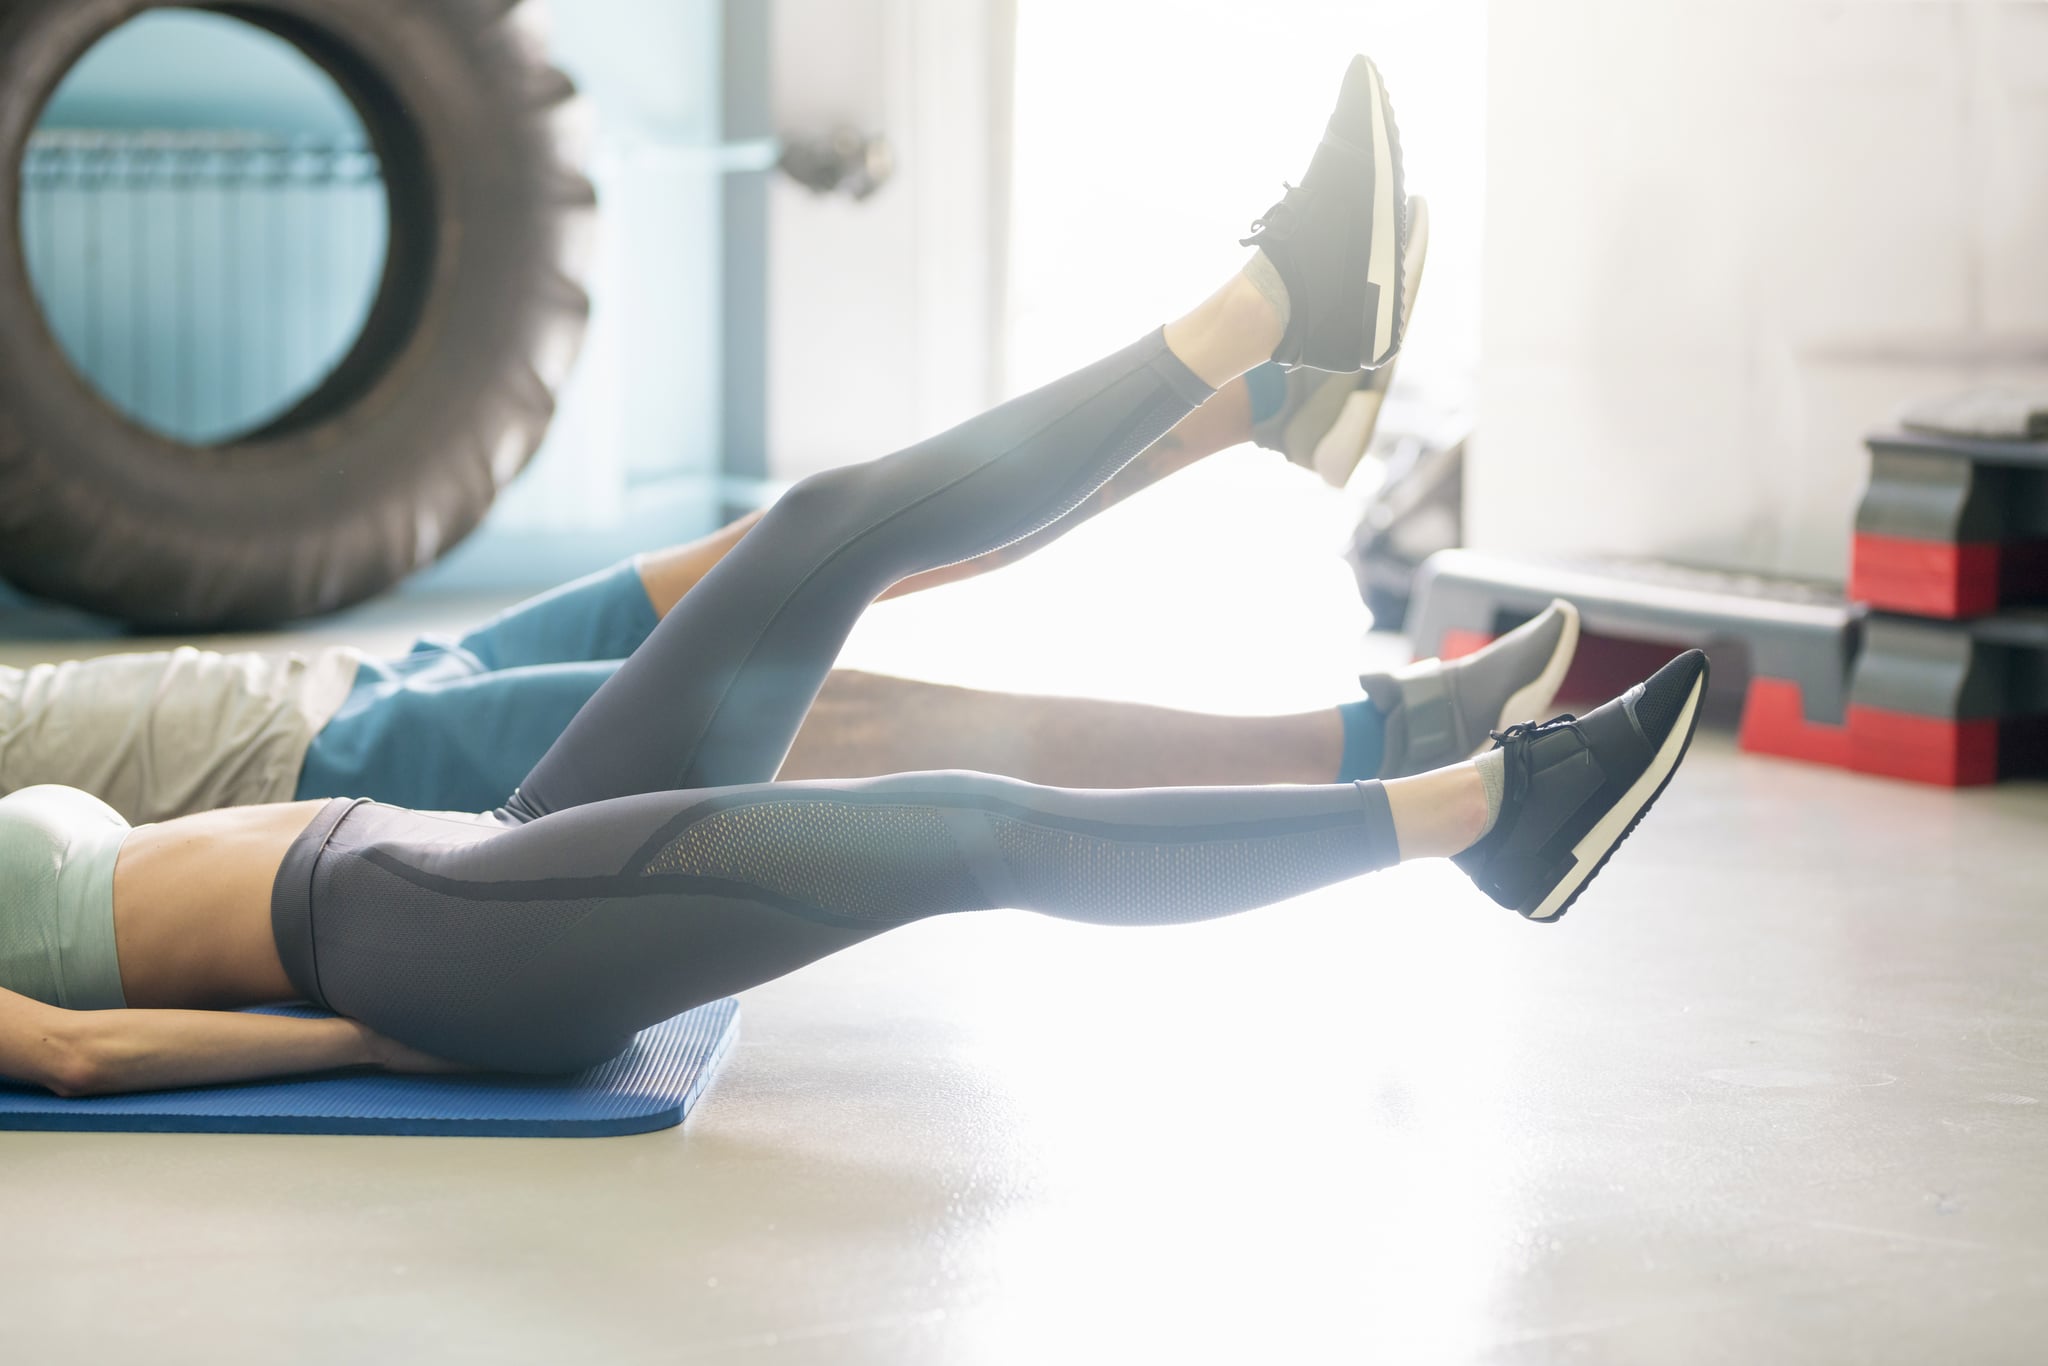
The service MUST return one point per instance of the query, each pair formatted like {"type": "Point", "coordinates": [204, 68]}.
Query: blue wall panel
{"type": "Point", "coordinates": [634, 454]}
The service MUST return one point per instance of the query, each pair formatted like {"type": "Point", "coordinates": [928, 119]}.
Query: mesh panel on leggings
{"type": "Point", "coordinates": [887, 864]}
{"type": "Point", "coordinates": [1121, 882]}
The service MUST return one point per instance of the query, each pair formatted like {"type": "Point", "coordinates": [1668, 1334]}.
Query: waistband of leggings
{"type": "Point", "coordinates": [291, 899]}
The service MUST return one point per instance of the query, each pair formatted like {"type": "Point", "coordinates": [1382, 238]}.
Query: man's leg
{"type": "Point", "coordinates": [1224, 421]}
{"type": "Point", "coordinates": [1293, 414]}
{"type": "Point", "coordinates": [666, 575]}
{"type": "Point", "coordinates": [720, 688]}
{"type": "Point", "coordinates": [1429, 715]}
{"type": "Point", "coordinates": [439, 734]}
{"type": "Point", "coordinates": [1319, 421]}
{"type": "Point", "coordinates": [448, 737]}
{"type": "Point", "coordinates": [1256, 406]}
{"type": "Point", "coordinates": [1235, 414]}
{"type": "Point", "coordinates": [600, 616]}
{"type": "Point", "coordinates": [865, 725]}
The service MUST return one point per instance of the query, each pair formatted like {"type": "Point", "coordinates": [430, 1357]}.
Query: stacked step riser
{"type": "Point", "coordinates": [1931, 697]}
{"type": "Point", "coordinates": [1951, 555]}
{"type": "Point", "coordinates": [1928, 702]}
{"type": "Point", "coordinates": [1943, 535]}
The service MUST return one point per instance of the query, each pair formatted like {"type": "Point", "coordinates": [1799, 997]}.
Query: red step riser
{"type": "Point", "coordinates": [1922, 749]}
{"type": "Point", "coordinates": [1457, 643]}
{"type": "Point", "coordinates": [1774, 722]}
{"type": "Point", "coordinates": [1943, 579]}
{"type": "Point", "coordinates": [1924, 578]}
{"type": "Point", "coordinates": [1887, 743]}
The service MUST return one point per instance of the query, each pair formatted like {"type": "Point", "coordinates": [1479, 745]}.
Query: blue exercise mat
{"type": "Point", "coordinates": [651, 1085]}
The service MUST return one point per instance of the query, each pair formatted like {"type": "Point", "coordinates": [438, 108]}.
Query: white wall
{"type": "Point", "coordinates": [1727, 237]}
{"type": "Point", "coordinates": [884, 315]}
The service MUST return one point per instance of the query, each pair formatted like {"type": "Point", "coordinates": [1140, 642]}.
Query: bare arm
{"type": "Point", "coordinates": [98, 1052]}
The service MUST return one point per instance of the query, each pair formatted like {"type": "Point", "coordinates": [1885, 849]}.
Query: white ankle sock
{"type": "Point", "coordinates": [1265, 277]}
{"type": "Point", "coordinates": [1493, 773]}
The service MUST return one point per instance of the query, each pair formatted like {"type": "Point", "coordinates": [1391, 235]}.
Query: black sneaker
{"type": "Point", "coordinates": [1326, 422]}
{"type": "Point", "coordinates": [1340, 238]}
{"type": "Point", "coordinates": [1576, 787]}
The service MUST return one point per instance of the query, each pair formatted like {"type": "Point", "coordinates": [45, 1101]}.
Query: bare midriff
{"type": "Point", "coordinates": [192, 908]}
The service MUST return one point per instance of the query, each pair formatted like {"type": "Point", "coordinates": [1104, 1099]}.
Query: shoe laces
{"type": "Point", "coordinates": [1277, 223]}
{"type": "Point", "coordinates": [1529, 730]}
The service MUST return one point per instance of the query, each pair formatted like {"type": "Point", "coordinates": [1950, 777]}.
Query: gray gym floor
{"type": "Point", "coordinates": [1773, 1092]}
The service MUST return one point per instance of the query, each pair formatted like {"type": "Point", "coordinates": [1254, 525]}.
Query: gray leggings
{"type": "Point", "coordinates": [649, 863]}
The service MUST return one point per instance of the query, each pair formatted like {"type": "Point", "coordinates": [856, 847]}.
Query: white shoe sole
{"type": "Point", "coordinates": [1590, 854]}
{"type": "Point", "coordinates": [1344, 444]}
{"type": "Point", "coordinates": [1532, 701]}
{"type": "Point", "coordinates": [1384, 269]}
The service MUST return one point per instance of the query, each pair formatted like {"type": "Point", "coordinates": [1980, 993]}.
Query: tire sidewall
{"type": "Point", "coordinates": [101, 512]}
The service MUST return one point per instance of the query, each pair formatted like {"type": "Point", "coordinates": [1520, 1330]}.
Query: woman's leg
{"type": "Point", "coordinates": [717, 692]}
{"type": "Point", "coordinates": [605, 615]}
{"type": "Point", "coordinates": [546, 946]}
{"type": "Point", "coordinates": [715, 696]}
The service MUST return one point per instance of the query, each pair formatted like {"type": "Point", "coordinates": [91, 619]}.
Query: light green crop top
{"type": "Point", "coordinates": [57, 852]}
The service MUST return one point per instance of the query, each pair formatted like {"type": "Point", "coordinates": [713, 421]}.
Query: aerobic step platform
{"type": "Point", "coordinates": [1960, 703]}
{"type": "Point", "coordinates": [1951, 526]}
{"type": "Point", "coordinates": [1951, 703]}
{"type": "Point", "coordinates": [652, 1085]}
{"type": "Point", "coordinates": [1796, 632]}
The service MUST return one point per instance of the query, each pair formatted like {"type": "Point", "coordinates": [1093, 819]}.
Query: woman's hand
{"type": "Point", "coordinates": [101, 1052]}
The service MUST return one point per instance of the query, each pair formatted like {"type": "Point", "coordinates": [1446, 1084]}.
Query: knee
{"type": "Point", "coordinates": [518, 809]}
{"type": "Point", "coordinates": [825, 500]}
